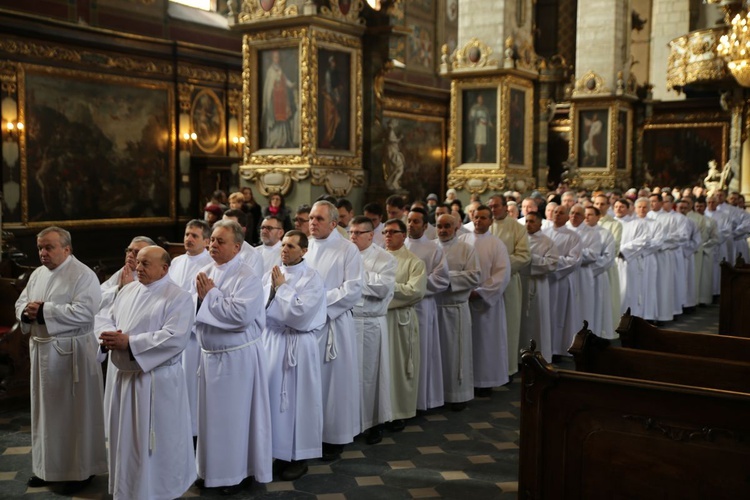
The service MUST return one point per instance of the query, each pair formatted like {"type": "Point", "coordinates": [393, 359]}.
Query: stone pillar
{"type": "Point", "coordinates": [669, 19]}
{"type": "Point", "coordinates": [603, 43]}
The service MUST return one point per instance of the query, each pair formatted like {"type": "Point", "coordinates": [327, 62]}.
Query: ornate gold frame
{"type": "Point", "coordinates": [103, 79]}
{"type": "Point", "coordinates": [609, 176]}
{"type": "Point", "coordinates": [344, 167]}
{"type": "Point", "coordinates": [480, 177]}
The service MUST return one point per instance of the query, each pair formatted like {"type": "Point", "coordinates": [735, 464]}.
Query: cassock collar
{"type": "Point", "coordinates": [156, 285]}
{"type": "Point", "coordinates": [197, 256]}
{"type": "Point", "coordinates": [449, 243]}
{"type": "Point", "coordinates": [62, 264]}
{"type": "Point", "coordinates": [331, 238]}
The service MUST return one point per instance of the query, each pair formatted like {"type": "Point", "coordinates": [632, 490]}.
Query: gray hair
{"type": "Point", "coordinates": [65, 240]}
{"type": "Point", "coordinates": [202, 225]}
{"type": "Point", "coordinates": [239, 237]}
{"type": "Point", "coordinates": [333, 212]}
{"type": "Point", "coordinates": [143, 239]}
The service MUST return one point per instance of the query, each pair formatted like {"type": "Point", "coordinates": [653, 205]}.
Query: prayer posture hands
{"type": "Point", "coordinates": [277, 278]}
{"type": "Point", "coordinates": [115, 340]}
{"type": "Point", "coordinates": [203, 284]}
{"type": "Point", "coordinates": [32, 310]}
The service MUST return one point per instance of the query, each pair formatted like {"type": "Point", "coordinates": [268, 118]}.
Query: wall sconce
{"type": "Point", "coordinates": [239, 143]}
{"type": "Point", "coordinates": [14, 129]}
{"type": "Point", "coordinates": [187, 139]}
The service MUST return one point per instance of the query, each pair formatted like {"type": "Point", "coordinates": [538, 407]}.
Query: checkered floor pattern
{"type": "Point", "coordinates": [441, 454]}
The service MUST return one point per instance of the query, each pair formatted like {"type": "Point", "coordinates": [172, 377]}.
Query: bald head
{"type": "Point", "coordinates": [152, 264]}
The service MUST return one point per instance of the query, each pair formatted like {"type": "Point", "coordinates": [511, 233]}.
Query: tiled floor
{"type": "Point", "coordinates": [470, 454]}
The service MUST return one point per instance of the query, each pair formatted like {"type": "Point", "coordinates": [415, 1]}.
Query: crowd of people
{"type": "Point", "coordinates": [235, 360]}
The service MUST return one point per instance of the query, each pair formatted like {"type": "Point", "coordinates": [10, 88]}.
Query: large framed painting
{"type": "Point", "coordinates": [677, 154]}
{"type": "Point", "coordinates": [99, 148]}
{"type": "Point", "coordinates": [624, 139]}
{"type": "Point", "coordinates": [279, 99]}
{"type": "Point", "coordinates": [592, 144]}
{"type": "Point", "coordinates": [479, 113]}
{"type": "Point", "coordinates": [414, 154]}
{"type": "Point", "coordinates": [208, 122]}
{"type": "Point", "coordinates": [334, 100]}
{"type": "Point", "coordinates": [519, 123]}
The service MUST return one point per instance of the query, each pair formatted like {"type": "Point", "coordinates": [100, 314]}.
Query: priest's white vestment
{"type": "Point", "coordinates": [566, 321]}
{"type": "Point", "coordinates": [372, 335]}
{"type": "Point", "coordinates": [535, 297]}
{"type": "Point", "coordinates": [591, 248]}
{"type": "Point", "coordinates": [688, 251]}
{"type": "Point", "coordinates": [725, 248]}
{"type": "Point", "coordinates": [253, 258]}
{"type": "Point", "coordinates": [339, 264]}
{"type": "Point", "coordinates": [488, 326]}
{"type": "Point", "coordinates": [403, 332]}
{"type": "Point", "coordinates": [294, 316]}
{"type": "Point", "coordinates": [430, 392]}
{"type": "Point", "coordinates": [615, 228]}
{"type": "Point", "coordinates": [602, 324]}
{"type": "Point", "coordinates": [234, 416]}
{"type": "Point", "coordinates": [635, 263]}
{"type": "Point", "coordinates": [666, 264]}
{"type": "Point", "coordinates": [704, 256]}
{"type": "Point", "coordinates": [66, 379]}
{"type": "Point", "coordinates": [516, 241]}
{"type": "Point", "coordinates": [271, 255]}
{"type": "Point", "coordinates": [454, 317]}
{"type": "Point", "coordinates": [150, 435]}
{"type": "Point", "coordinates": [183, 270]}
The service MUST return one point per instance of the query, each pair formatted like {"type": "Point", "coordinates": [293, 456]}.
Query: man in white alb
{"type": "Point", "coordinates": [146, 330]}
{"type": "Point", "coordinates": [57, 310]}
{"type": "Point", "coordinates": [234, 415]}
{"type": "Point", "coordinates": [295, 313]}
{"type": "Point", "coordinates": [271, 231]}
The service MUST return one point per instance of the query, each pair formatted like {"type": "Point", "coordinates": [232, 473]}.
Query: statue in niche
{"type": "Point", "coordinates": [395, 158]}
{"type": "Point", "coordinates": [713, 179]}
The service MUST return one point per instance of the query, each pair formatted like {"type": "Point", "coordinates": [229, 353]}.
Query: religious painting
{"type": "Point", "coordinates": [479, 125]}
{"type": "Point", "coordinates": [421, 48]}
{"type": "Point", "coordinates": [414, 154]}
{"type": "Point", "coordinates": [99, 148]}
{"type": "Point", "coordinates": [593, 133]}
{"type": "Point", "coordinates": [517, 127]}
{"type": "Point", "coordinates": [207, 121]}
{"type": "Point", "coordinates": [334, 100]}
{"type": "Point", "coordinates": [677, 154]}
{"type": "Point", "coordinates": [278, 84]}
{"type": "Point", "coordinates": [623, 144]}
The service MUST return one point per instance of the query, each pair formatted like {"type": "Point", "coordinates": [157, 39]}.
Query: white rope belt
{"type": "Point", "coordinates": [230, 349]}
{"type": "Point", "coordinates": [61, 352]}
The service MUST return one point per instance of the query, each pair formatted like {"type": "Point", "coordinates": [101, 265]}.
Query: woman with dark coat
{"type": "Point", "coordinates": [277, 208]}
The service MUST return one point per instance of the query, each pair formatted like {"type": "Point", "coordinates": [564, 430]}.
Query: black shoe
{"type": "Point", "coordinates": [230, 490]}
{"type": "Point", "coordinates": [458, 406]}
{"type": "Point", "coordinates": [396, 425]}
{"type": "Point", "coordinates": [36, 482]}
{"type": "Point", "coordinates": [279, 466]}
{"type": "Point", "coordinates": [295, 470]}
{"type": "Point", "coordinates": [374, 435]}
{"type": "Point", "coordinates": [200, 483]}
{"type": "Point", "coordinates": [331, 451]}
{"type": "Point", "coordinates": [71, 487]}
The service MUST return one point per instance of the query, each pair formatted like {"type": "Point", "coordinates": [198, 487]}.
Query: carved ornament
{"type": "Point", "coordinates": [683, 432]}
{"type": "Point", "coordinates": [338, 8]}
{"type": "Point", "coordinates": [9, 77]}
{"type": "Point", "coordinates": [694, 58]}
{"type": "Point", "coordinates": [185, 96]}
{"type": "Point", "coordinates": [252, 10]}
{"type": "Point", "coordinates": [338, 182]}
{"type": "Point", "coordinates": [474, 54]}
{"type": "Point", "coordinates": [271, 179]}
{"type": "Point", "coordinates": [590, 84]}
{"type": "Point", "coordinates": [199, 73]}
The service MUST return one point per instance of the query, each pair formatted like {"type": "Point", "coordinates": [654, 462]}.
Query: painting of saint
{"type": "Point", "coordinates": [622, 140]}
{"type": "Point", "coordinates": [479, 144]}
{"type": "Point", "coordinates": [592, 140]}
{"type": "Point", "coordinates": [279, 119]}
{"type": "Point", "coordinates": [517, 128]}
{"type": "Point", "coordinates": [333, 99]}
{"type": "Point", "coordinates": [207, 116]}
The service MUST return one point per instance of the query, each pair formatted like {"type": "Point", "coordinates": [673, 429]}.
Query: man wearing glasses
{"type": "Point", "coordinates": [302, 219]}
{"type": "Point", "coordinates": [372, 328]}
{"type": "Point", "coordinates": [403, 324]}
{"type": "Point", "coordinates": [271, 231]}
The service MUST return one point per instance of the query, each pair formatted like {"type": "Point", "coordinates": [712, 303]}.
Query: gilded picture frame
{"type": "Point", "coordinates": [479, 112]}
{"type": "Point", "coordinates": [592, 141]}
{"type": "Point", "coordinates": [518, 120]}
{"type": "Point", "coordinates": [121, 170]}
{"type": "Point", "coordinates": [278, 90]}
{"type": "Point", "coordinates": [335, 104]}
{"type": "Point", "coordinates": [420, 140]}
{"type": "Point", "coordinates": [677, 154]}
{"type": "Point", "coordinates": [208, 121]}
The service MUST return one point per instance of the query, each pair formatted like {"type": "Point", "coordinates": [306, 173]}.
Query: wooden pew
{"type": "Point", "coordinates": [734, 301]}
{"type": "Point", "coordinates": [637, 333]}
{"type": "Point", "coordinates": [595, 355]}
{"type": "Point", "coordinates": [14, 349]}
{"type": "Point", "coordinates": [173, 248]}
{"type": "Point", "coordinates": [592, 436]}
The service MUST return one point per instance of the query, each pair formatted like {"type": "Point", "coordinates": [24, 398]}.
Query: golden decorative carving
{"type": "Point", "coordinates": [338, 182]}
{"type": "Point", "coordinates": [252, 11]}
{"type": "Point", "coordinates": [84, 57]}
{"type": "Point", "coordinates": [590, 84]}
{"type": "Point", "coordinates": [272, 179]}
{"type": "Point", "coordinates": [378, 88]}
{"type": "Point", "coordinates": [351, 16]}
{"type": "Point", "coordinates": [694, 58]}
{"type": "Point", "coordinates": [526, 57]}
{"type": "Point", "coordinates": [477, 180]}
{"type": "Point", "coordinates": [203, 74]}
{"type": "Point", "coordinates": [474, 54]}
{"type": "Point", "coordinates": [185, 96]}
{"type": "Point", "coordinates": [234, 102]}
{"type": "Point", "coordinates": [8, 77]}
{"type": "Point", "coordinates": [410, 106]}
{"type": "Point", "coordinates": [235, 79]}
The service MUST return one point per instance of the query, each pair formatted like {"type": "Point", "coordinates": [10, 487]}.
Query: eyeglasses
{"type": "Point", "coordinates": [357, 233]}
{"type": "Point", "coordinates": [131, 251]}
{"type": "Point", "coordinates": [388, 232]}
{"type": "Point", "coordinates": [300, 220]}
{"type": "Point", "coordinates": [268, 228]}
